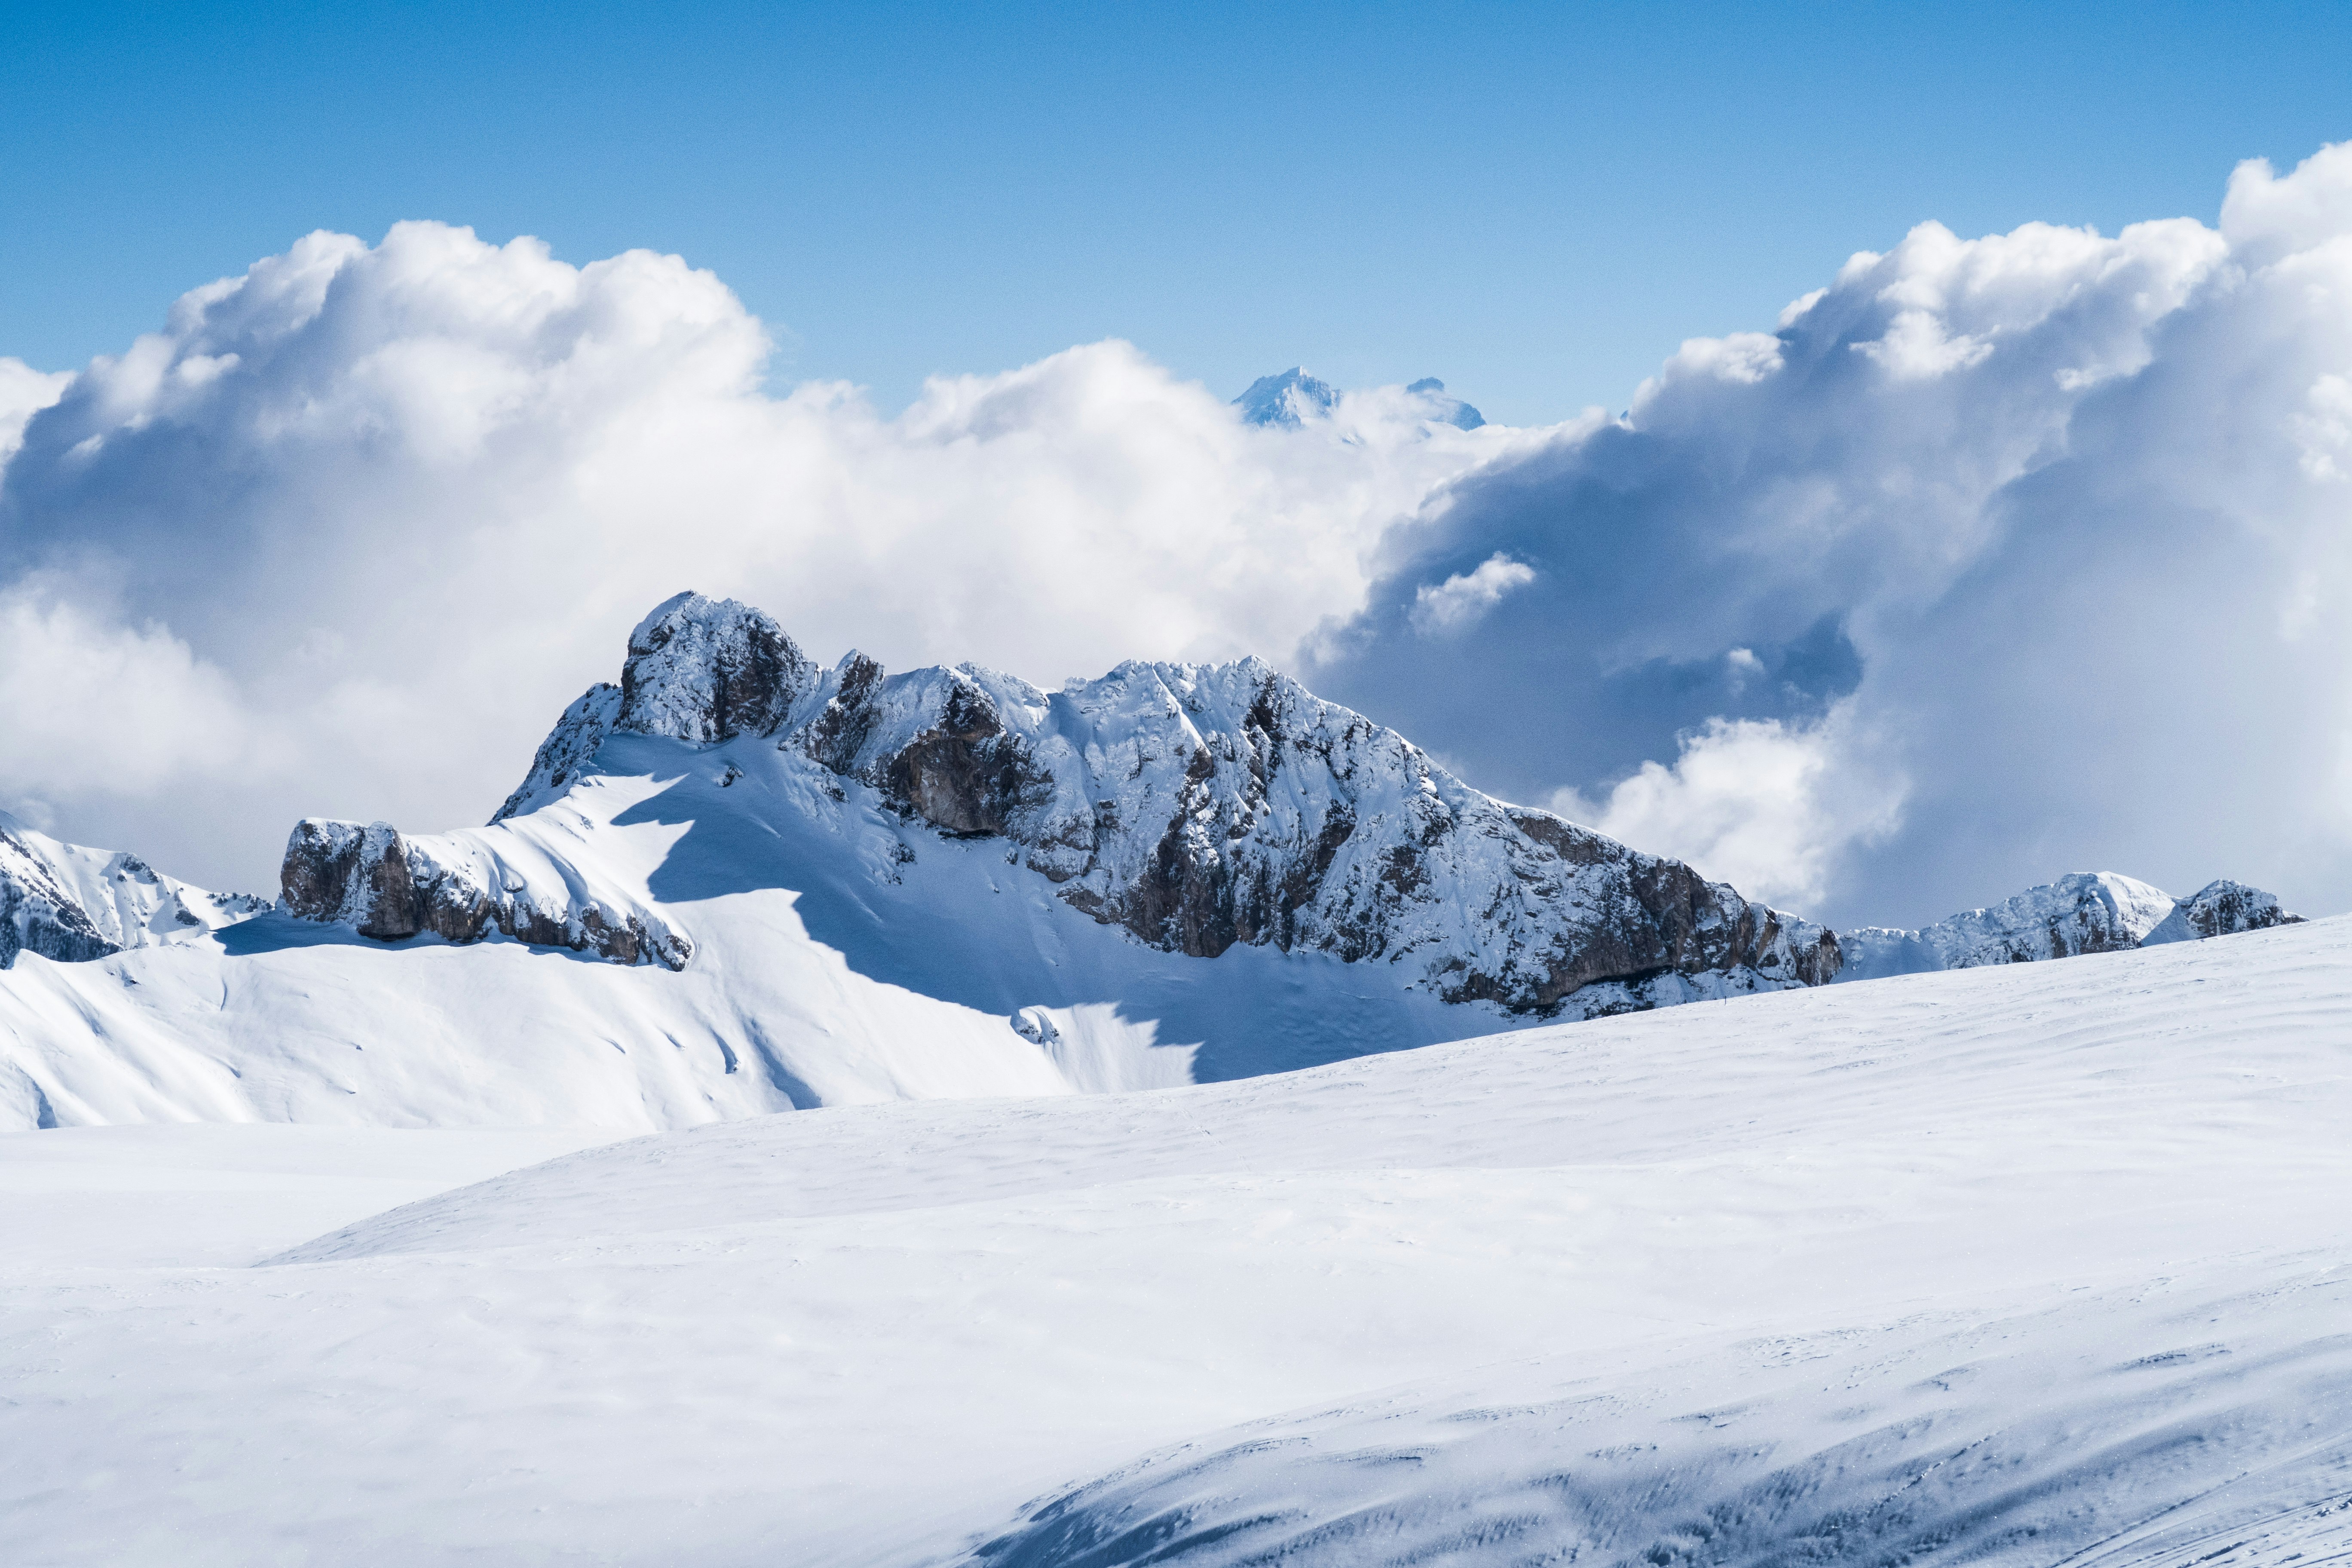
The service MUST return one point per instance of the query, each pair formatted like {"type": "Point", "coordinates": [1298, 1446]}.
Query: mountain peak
{"type": "Point", "coordinates": [1286, 398]}
{"type": "Point", "coordinates": [709, 669]}
{"type": "Point", "coordinates": [1444, 408]}
{"type": "Point", "coordinates": [1196, 807]}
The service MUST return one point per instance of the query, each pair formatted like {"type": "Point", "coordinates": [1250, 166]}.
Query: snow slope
{"type": "Point", "coordinates": [838, 886]}
{"type": "Point", "coordinates": [70, 902]}
{"type": "Point", "coordinates": [207, 1194]}
{"type": "Point", "coordinates": [840, 957]}
{"type": "Point", "coordinates": [2018, 1265]}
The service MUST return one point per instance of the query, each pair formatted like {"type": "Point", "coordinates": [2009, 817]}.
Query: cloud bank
{"type": "Point", "coordinates": [1999, 558]}
{"type": "Point", "coordinates": [349, 532]}
{"type": "Point", "coordinates": [1996, 558]}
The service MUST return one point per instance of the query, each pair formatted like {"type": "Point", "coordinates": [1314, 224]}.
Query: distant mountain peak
{"type": "Point", "coordinates": [1445, 409]}
{"type": "Point", "coordinates": [2082, 912]}
{"type": "Point", "coordinates": [1288, 399]}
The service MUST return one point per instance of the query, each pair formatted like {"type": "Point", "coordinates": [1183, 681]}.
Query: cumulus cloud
{"type": "Point", "coordinates": [23, 391]}
{"type": "Point", "coordinates": [1463, 598]}
{"type": "Point", "coordinates": [1775, 808]}
{"type": "Point", "coordinates": [2056, 519]}
{"type": "Point", "coordinates": [372, 514]}
{"type": "Point", "coordinates": [1997, 558]}
{"type": "Point", "coordinates": [167, 715]}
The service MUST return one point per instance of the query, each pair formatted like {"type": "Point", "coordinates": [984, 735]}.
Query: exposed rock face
{"type": "Point", "coordinates": [389, 888]}
{"type": "Point", "coordinates": [1202, 806]}
{"type": "Point", "coordinates": [2219, 909]}
{"type": "Point", "coordinates": [72, 903]}
{"type": "Point", "coordinates": [567, 748]}
{"type": "Point", "coordinates": [703, 670]}
{"type": "Point", "coordinates": [2084, 912]}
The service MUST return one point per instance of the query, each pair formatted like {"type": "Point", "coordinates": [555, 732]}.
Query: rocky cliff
{"type": "Point", "coordinates": [459, 887]}
{"type": "Point", "coordinates": [1194, 807]}
{"type": "Point", "coordinates": [2220, 908]}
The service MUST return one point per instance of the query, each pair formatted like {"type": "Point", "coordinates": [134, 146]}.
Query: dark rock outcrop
{"type": "Point", "coordinates": [391, 888]}
{"type": "Point", "coordinates": [2220, 909]}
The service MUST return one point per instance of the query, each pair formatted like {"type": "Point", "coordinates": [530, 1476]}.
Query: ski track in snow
{"type": "Point", "coordinates": [2038, 1264]}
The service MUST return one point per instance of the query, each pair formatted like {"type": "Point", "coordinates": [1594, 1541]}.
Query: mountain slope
{"type": "Point", "coordinates": [72, 903]}
{"type": "Point", "coordinates": [2084, 912]}
{"type": "Point", "coordinates": [1197, 808]}
{"type": "Point", "coordinates": [837, 887]}
{"type": "Point", "coordinates": [2006, 1264]}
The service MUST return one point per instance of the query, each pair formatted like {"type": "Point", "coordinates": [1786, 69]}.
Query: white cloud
{"type": "Point", "coordinates": [23, 391]}
{"type": "Point", "coordinates": [89, 706]}
{"type": "Point", "coordinates": [406, 499]}
{"type": "Point", "coordinates": [2044, 528]}
{"type": "Point", "coordinates": [1465, 597]}
{"type": "Point", "coordinates": [1771, 807]}
{"type": "Point", "coordinates": [2057, 518]}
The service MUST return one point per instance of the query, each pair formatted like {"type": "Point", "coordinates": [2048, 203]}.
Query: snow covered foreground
{"type": "Point", "coordinates": [2033, 1264]}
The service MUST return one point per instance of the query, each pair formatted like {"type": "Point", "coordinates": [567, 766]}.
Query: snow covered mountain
{"type": "Point", "coordinates": [736, 883]}
{"type": "Point", "coordinates": [72, 904]}
{"type": "Point", "coordinates": [2085, 912]}
{"type": "Point", "coordinates": [2016, 1266]}
{"type": "Point", "coordinates": [1286, 398]}
{"type": "Point", "coordinates": [795, 887]}
{"type": "Point", "coordinates": [1444, 408]}
{"type": "Point", "coordinates": [1194, 807]}
{"type": "Point", "coordinates": [1293, 397]}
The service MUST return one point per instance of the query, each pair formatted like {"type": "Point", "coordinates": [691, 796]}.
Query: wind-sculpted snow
{"type": "Point", "coordinates": [71, 904]}
{"type": "Point", "coordinates": [1202, 806]}
{"type": "Point", "coordinates": [2114, 1429]}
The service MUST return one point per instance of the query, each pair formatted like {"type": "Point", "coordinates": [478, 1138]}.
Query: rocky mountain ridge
{"type": "Point", "coordinates": [1194, 807]}
{"type": "Point", "coordinates": [2087, 911]}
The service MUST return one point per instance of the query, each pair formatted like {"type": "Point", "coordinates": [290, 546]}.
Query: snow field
{"type": "Point", "coordinates": [1418, 1290]}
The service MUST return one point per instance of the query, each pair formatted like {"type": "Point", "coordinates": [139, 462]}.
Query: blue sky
{"type": "Point", "coordinates": [1535, 203]}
